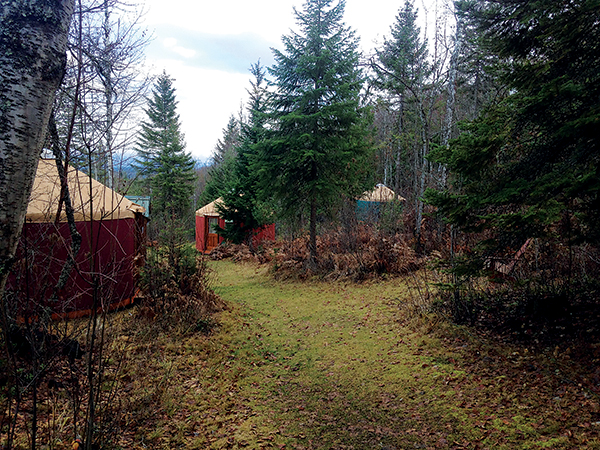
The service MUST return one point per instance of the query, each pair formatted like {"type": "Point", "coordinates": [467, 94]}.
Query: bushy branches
{"type": "Point", "coordinates": [528, 165]}
{"type": "Point", "coordinates": [176, 286]}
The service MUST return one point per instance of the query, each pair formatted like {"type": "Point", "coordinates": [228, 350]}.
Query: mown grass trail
{"type": "Point", "coordinates": [330, 366]}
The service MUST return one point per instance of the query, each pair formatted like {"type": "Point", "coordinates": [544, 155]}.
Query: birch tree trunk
{"type": "Point", "coordinates": [33, 41]}
{"type": "Point", "coordinates": [452, 74]}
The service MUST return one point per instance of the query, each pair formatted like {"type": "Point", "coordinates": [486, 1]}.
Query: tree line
{"type": "Point", "coordinates": [326, 123]}
{"type": "Point", "coordinates": [486, 129]}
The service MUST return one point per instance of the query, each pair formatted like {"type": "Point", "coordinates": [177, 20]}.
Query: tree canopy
{"type": "Point", "coordinates": [243, 210]}
{"type": "Point", "coordinates": [165, 166]}
{"type": "Point", "coordinates": [221, 175]}
{"type": "Point", "coordinates": [317, 149]}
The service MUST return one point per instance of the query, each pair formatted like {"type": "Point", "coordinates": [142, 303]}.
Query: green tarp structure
{"type": "Point", "coordinates": [369, 206]}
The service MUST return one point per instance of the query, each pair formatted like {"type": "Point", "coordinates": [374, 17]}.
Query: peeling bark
{"type": "Point", "coordinates": [33, 41]}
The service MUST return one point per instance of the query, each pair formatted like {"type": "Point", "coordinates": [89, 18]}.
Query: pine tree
{"type": "Point", "coordinates": [165, 166]}
{"type": "Point", "coordinates": [316, 153]}
{"type": "Point", "coordinates": [243, 211]}
{"type": "Point", "coordinates": [477, 83]}
{"type": "Point", "coordinates": [401, 65]}
{"type": "Point", "coordinates": [226, 147]}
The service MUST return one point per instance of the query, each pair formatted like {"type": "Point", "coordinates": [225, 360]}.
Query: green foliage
{"type": "Point", "coordinates": [478, 70]}
{"type": "Point", "coordinates": [242, 210]}
{"type": "Point", "coordinates": [167, 170]}
{"type": "Point", "coordinates": [222, 172]}
{"type": "Point", "coordinates": [317, 150]}
{"type": "Point", "coordinates": [402, 72]}
{"type": "Point", "coordinates": [402, 62]}
{"type": "Point", "coordinates": [176, 285]}
{"type": "Point", "coordinates": [529, 166]}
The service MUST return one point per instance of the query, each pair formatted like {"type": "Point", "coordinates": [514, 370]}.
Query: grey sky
{"type": "Point", "coordinates": [208, 47]}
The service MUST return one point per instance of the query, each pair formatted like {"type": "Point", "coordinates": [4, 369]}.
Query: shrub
{"type": "Point", "coordinates": [357, 252]}
{"type": "Point", "coordinates": [176, 285]}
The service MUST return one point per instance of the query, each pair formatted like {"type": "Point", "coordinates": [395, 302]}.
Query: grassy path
{"type": "Point", "coordinates": [328, 366]}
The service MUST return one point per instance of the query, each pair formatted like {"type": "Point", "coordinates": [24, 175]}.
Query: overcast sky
{"type": "Point", "coordinates": [208, 47]}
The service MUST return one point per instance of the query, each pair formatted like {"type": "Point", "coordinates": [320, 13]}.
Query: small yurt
{"type": "Point", "coordinates": [370, 204]}
{"type": "Point", "coordinates": [105, 269]}
{"type": "Point", "coordinates": [208, 221]}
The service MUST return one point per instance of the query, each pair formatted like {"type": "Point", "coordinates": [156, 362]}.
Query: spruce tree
{"type": "Point", "coordinates": [166, 169]}
{"type": "Point", "coordinates": [401, 64]}
{"type": "Point", "coordinates": [400, 70]}
{"type": "Point", "coordinates": [242, 210]}
{"type": "Point", "coordinates": [317, 150]}
{"type": "Point", "coordinates": [531, 163]}
{"type": "Point", "coordinates": [221, 172]}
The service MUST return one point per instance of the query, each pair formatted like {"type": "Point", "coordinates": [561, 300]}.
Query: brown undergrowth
{"type": "Point", "coordinates": [324, 364]}
{"type": "Point", "coordinates": [133, 368]}
{"type": "Point", "coordinates": [358, 253]}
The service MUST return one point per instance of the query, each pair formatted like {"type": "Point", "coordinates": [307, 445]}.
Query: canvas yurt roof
{"type": "Point", "coordinates": [210, 209]}
{"type": "Point", "coordinates": [381, 193]}
{"type": "Point", "coordinates": [90, 198]}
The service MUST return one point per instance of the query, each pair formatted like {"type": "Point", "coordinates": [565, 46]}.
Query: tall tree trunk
{"type": "Point", "coordinates": [449, 119]}
{"type": "Point", "coordinates": [398, 181]}
{"type": "Point", "coordinates": [422, 181]}
{"type": "Point", "coordinates": [33, 41]}
{"type": "Point", "coordinates": [476, 91]}
{"type": "Point", "coordinates": [312, 245]}
{"type": "Point", "coordinates": [108, 94]}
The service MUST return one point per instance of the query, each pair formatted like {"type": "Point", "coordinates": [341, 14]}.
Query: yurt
{"type": "Point", "coordinates": [102, 274]}
{"type": "Point", "coordinates": [370, 204]}
{"type": "Point", "coordinates": [208, 221]}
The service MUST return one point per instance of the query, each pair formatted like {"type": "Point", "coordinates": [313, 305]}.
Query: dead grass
{"type": "Point", "coordinates": [356, 253]}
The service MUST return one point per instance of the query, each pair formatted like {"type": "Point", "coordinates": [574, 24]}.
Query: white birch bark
{"type": "Point", "coordinates": [452, 74]}
{"type": "Point", "coordinates": [33, 40]}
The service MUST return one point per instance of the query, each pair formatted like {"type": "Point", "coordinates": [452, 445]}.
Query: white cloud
{"type": "Point", "coordinates": [271, 18]}
{"type": "Point", "coordinates": [207, 98]}
{"type": "Point", "coordinates": [208, 46]}
{"type": "Point", "coordinates": [185, 52]}
{"type": "Point", "coordinates": [171, 44]}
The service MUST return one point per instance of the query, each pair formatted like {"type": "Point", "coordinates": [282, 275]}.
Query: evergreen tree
{"type": "Point", "coordinates": [401, 65]}
{"type": "Point", "coordinates": [401, 69]}
{"type": "Point", "coordinates": [242, 209]}
{"type": "Point", "coordinates": [221, 173]}
{"type": "Point", "coordinates": [531, 163]}
{"type": "Point", "coordinates": [226, 148]}
{"type": "Point", "coordinates": [166, 168]}
{"type": "Point", "coordinates": [318, 146]}
{"type": "Point", "coordinates": [478, 83]}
